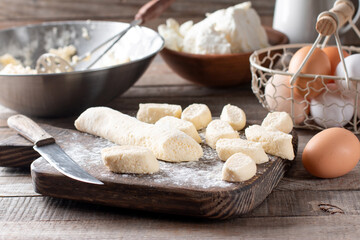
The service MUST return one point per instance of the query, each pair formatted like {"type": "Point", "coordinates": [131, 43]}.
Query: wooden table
{"type": "Point", "coordinates": [300, 207]}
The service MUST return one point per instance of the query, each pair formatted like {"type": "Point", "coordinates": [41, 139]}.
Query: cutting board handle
{"type": "Point", "coordinates": [30, 130]}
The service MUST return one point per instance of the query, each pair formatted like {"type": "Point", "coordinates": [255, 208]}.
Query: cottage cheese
{"type": "Point", "coordinates": [233, 30]}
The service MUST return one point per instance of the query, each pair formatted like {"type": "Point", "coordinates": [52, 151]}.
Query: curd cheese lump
{"type": "Point", "coordinates": [233, 30]}
{"type": "Point", "coordinates": [13, 69]}
{"type": "Point", "coordinates": [11, 66]}
{"type": "Point", "coordinates": [198, 114]}
{"type": "Point", "coordinates": [234, 115]}
{"type": "Point", "coordinates": [202, 38]}
{"type": "Point", "coordinates": [8, 59]}
{"type": "Point", "coordinates": [280, 121]}
{"type": "Point", "coordinates": [168, 145]}
{"type": "Point", "coordinates": [273, 142]}
{"type": "Point", "coordinates": [130, 159]}
{"type": "Point", "coordinates": [218, 129]}
{"type": "Point", "coordinates": [225, 148]}
{"type": "Point", "coordinates": [65, 53]}
{"type": "Point", "coordinates": [152, 112]}
{"type": "Point", "coordinates": [241, 26]}
{"type": "Point", "coordinates": [171, 33]}
{"type": "Point", "coordinates": [187, 127]}
{"type": "Point", "coordinates": [238, 168]}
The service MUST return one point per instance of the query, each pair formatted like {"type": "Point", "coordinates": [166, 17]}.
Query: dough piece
{"type": "Point", "coordinates": [239, 167]}
{"type": "Point", "coordinates": [273, 142]}
{"type": "Point", "coordinates": [130, 159]}
{"type": "Point", "coordinates": [218, 129]}
{"type": "Point", "coordinates": [228, 147]}
{"type": "Point", "coordinates": [280, 121]}
{"type": "Point", "coordinates": [187, 127]}
{"type": "Point", "coordinates": [234, 115]}
{"type": "Point", "coordinates": [151, 112]}
{"type": "Point", "coordinates": [167, 145]}
{"type": "Point", "coordinates": [198, 114]}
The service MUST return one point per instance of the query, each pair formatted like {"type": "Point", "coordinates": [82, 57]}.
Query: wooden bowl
{"type": "Point", "coordinates": [218, 69]}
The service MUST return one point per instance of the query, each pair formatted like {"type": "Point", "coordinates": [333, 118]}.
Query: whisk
{"type": "Point", "coordinates": [51, 63]}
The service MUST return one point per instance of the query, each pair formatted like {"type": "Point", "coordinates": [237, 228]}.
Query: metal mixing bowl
{"type": "Point", "coordinates": [63, 94]}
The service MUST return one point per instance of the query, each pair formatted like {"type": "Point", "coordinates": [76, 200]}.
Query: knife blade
{"type": "Point", "coordinates": [47, 147]}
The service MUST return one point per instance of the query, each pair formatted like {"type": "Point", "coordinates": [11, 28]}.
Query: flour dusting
{"type": "Point", "coordinates": [203, 174]}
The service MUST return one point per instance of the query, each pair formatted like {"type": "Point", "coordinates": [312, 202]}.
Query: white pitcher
{"type": "Point", "coordinates": [297, 19]}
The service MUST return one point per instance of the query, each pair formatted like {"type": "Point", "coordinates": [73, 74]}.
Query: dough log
{"type": "Point", "coordinates": [167, 145]}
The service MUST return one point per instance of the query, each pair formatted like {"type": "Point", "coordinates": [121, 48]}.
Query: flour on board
{"type": "Point", "coordinates": [203, 174]}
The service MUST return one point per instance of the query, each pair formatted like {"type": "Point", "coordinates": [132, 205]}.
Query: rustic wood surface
{"type": "Point", "coordinates": [20, 12]}
{"type": "Point", "coordinates": [300, 207]}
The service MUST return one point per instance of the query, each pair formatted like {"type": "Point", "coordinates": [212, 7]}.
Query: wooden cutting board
{"type": "Point", "coordinates": [193, 188]}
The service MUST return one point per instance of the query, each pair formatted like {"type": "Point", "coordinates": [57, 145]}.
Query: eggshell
{"type": "Point", "coordinates": [278, 97]}
{"type": "Point", "coordinates": [331, 108]}
{"type": "Point", "coordinates": [334, 57]}
{"type": "Point", "coordinates": [352, 66]}
{"type": "Point", "coordinates": [318, 64]}
{"type": "Point", "coordinates": [331, 153]}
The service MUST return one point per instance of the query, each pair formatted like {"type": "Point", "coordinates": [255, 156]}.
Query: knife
{"type": "Point", "coordinates": [46, 146]}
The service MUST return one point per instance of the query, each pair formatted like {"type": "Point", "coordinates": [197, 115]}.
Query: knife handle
{"type": "Point", "coordinates": [30, 130]}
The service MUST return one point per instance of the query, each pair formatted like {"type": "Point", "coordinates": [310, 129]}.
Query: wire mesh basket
{"type": "Point", "coordinates": [337, 100]}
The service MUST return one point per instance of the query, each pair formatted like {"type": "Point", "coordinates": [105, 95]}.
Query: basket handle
{"type": "Point", "coordinates": [329, 22]}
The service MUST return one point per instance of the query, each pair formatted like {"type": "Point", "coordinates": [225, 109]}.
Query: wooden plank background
{"type": "Point", "coordinates": [20, 12]}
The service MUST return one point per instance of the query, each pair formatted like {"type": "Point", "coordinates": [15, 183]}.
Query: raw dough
{"type": "Point", "coordinates": [274, 142]}
{"type": "Point", "coordinates": [151, 112]}
{"type": "Point", "coordinates": [130, 159]}
{"type": "Point", "coordinates": [281, 121]}
{"type": "Point", "coordinates": [167, 145]}
{"type": "Point", "coordinates": [198, 114]}
{"type": "Point", "coordinates": [218, 129]}
{"type": "Point", "coordinates": [234, 115]}
{"type": "Point", "coordinates": [187, 127]}
{"type": "Point", "coordinates": [228, 147]}
{"type": "Point", "coordinates": [239, 167]}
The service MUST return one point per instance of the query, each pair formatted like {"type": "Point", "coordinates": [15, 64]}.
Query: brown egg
{"type": "Point", "coordinates": [331, 153]}
{"type": "Point", "coordinates": [318, 64]}
{"type": "Point", "coordinates": [334, 57]}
